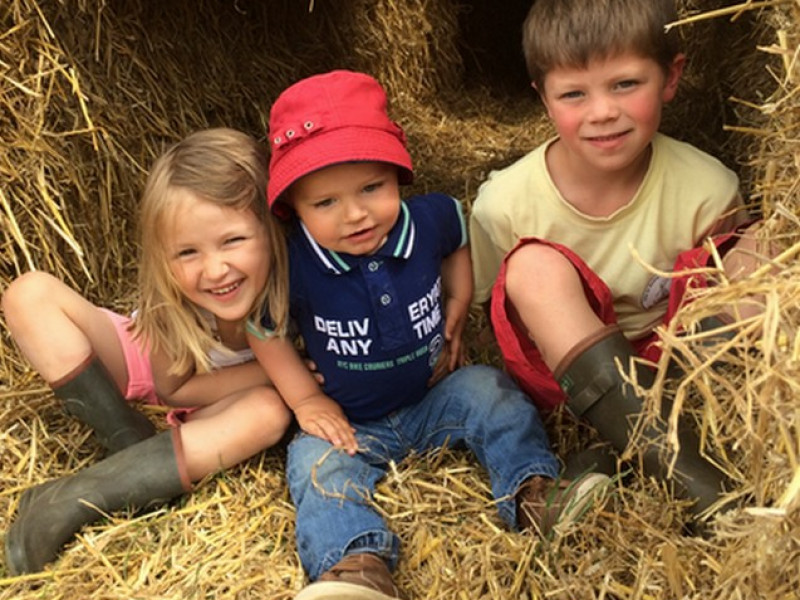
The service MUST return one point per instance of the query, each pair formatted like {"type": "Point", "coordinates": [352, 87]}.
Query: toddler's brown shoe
{"type": "Point", "coordinates": [355, 577]}
{"type": "Point", "coordinates": [547, 504]}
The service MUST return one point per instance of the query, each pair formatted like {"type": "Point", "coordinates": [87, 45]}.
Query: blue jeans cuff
{"type": "Point", "coordinates": [380, 543]}
{"type": "Point", "coordinates": [507, 507]}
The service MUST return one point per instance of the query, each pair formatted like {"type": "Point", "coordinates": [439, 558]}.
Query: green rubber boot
{"type": "Point", "coordinates": [597, 392]}
{"type": "Point", "coordinates": [143, 475]}
{"type": "Point", "coordinates": [91, 395]}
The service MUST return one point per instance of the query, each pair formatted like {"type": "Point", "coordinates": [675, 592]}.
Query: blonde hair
{"type": "Point", "coordinates": [228, 168]}
{"type": "Point", "coordinates": [571, 33]}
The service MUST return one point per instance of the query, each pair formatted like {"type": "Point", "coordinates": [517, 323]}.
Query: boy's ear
{"type": "Point", "coordinates": [541, 95]}
{"type": "Point", "coordinates": [674, 73]}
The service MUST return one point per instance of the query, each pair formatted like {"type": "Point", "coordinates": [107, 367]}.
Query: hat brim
{"type": "Point", "coordinates": [327, 148]}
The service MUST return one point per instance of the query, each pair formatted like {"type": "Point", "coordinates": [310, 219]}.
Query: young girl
{"type": "Point", "coordinates": [211, 257]}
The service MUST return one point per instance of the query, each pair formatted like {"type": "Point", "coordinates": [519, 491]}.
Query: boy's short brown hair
{"type": "Point", "coordinates": [571, 33]}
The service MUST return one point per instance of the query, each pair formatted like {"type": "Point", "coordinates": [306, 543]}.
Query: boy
{"type": "Point", "coordinates": [552, 234]}
{"type": "Point", "coordinates": [380, 289]}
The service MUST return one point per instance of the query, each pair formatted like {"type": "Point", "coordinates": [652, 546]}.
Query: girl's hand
{"type": "Point", "coordinates": [321, 416]}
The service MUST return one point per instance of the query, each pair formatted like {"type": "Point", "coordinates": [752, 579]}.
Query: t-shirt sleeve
{"type": "Point", "coordinates": [447, 216]}
{"type": "Point", "coordinates": [486, 259]}
{"type": "Point", "coordinates": [261, 329]}
{"type": "Point", "coordinates": [488, 252]}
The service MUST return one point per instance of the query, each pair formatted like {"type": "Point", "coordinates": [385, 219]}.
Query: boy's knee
{"type": "Point", "coordinates": [470, 376]}
{"type": "Point", "coordinates": [306, 451]}
{"type": "Point", "coordinates": [546, 263]}
{"type": "Point", "coordinates": [315, 463]}
{"type": "Point", "coordinates": [483, 383]}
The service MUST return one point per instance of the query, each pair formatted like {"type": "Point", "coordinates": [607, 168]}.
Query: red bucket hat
{"type": "Point", "coordinates": [327, 119]}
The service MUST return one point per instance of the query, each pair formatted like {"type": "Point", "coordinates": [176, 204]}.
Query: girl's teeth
{"type": "Point", "coordinates": [225, 290]}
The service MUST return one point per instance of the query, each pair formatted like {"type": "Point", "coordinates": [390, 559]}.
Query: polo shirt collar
{"type": "Point", "coordinates": [399, 244]}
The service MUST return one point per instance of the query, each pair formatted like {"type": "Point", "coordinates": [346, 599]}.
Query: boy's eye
{"type": "Point", "coordinates": [627, 84]}
{"type": "Point", "coordinates": [323, 203]}
{"type": "Point", "coordinates": [371, 187]}
{"type": "Point", "coordinates": [571, 95]}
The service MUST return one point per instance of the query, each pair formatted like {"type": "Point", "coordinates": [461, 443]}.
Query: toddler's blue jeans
{"type": "Point", "coordinates": [476, 406]}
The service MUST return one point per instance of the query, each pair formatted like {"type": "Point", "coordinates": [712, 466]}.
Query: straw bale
{"type": "Point", "coordinates": [92, 91]}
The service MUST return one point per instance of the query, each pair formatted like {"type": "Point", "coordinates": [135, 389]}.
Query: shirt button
{"type": "Point", "coordinates": [386, 299]}
{"type": "Point", "coordinates": [373, 266]}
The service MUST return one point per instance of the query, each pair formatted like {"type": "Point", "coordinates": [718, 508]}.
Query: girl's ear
{"type": "Point", "coordinates": [674, 72]}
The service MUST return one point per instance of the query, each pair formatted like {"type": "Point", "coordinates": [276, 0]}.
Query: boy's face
{"type": "Point", "coordinates": [349, 207]}
{"type": "Point", "coordinates": [607, 114]}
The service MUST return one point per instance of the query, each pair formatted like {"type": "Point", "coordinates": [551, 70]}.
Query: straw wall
{"type": "Point", "coordinates": [91, 91]}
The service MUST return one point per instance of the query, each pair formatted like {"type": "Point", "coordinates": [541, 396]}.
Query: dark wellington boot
{"type": "Point", "coordinates": [601, 458]}
{"type": "Point", "coordinates": [597, 392]}
{"type": "Point", "coordinates": [91, 395]}
{"type": "Point", "coordinates": [143, 475]}
{"type": "Point", "coordinates": [714, 330]}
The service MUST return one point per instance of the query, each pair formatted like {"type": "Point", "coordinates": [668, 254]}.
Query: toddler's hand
{"type": "Point", "coordinates": [442, 367]}
{"type": "Point", "coordinates": [312, 366]}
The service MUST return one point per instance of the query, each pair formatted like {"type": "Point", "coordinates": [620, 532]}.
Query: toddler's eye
{"type": "Point", "coordinates": [323, 203]}
{"type": "Point", "coordinates": [372, 187]}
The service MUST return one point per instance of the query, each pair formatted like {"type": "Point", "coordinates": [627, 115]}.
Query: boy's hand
{"type": "Point", "coordinates": [455, 320]}
{"type": "Point", "coordinates": [312, 366]}
{"type": "Point", "coordinates": [321, 416]}
{"type": "Point", "coordinates": [442, 367]}
{"type": "Point", "coordinates": [452, 355]}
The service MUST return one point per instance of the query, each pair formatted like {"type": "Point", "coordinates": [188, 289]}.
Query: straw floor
{"type": "Point", "coordinates": [91, 91]}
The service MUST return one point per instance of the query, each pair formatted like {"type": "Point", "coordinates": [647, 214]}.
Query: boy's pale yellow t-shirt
{"type": "Point", "coordinates": [684, 193]}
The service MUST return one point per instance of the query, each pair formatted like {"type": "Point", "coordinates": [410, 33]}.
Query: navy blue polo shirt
{"type": "Point", "coordinates": [374, 324]}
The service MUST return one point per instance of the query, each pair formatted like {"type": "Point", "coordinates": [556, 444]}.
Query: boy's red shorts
{"type": "Point", "coordinates": [522, 359]}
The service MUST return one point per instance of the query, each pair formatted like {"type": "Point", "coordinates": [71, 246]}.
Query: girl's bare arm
{"type": "Point", "coordinates": [316, 413]}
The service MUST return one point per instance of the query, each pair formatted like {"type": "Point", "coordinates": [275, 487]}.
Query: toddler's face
{"type": "Point", "coordinates": [349, 207]}
{"type": "Point", "coordinates": [607, 113]}
{"type": "Point", "coordinates": [218, 255]}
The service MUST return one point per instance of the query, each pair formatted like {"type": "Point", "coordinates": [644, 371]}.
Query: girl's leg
{"type": "Point", "coordinates": [57, 329]}
{"type": "Point", "coordinates": [144, 474]}
{"type": "Point", "coordinates": [76, 348]}
{"type": "Point", "coordinates": [232, 430]}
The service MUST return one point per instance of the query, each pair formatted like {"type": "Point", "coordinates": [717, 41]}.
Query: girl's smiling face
{"type": "Point", "coordinates": [219, 256]}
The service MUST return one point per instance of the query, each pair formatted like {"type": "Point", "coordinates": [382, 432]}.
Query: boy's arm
{"type": "Point", "coordinates": [732, 218]}
{"type": "Point", "coordinates": [486, 256]}
{"type": "Point", "coordinates": [457, 288]}
{"type": "Point", "coordinates": [316, 413]}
